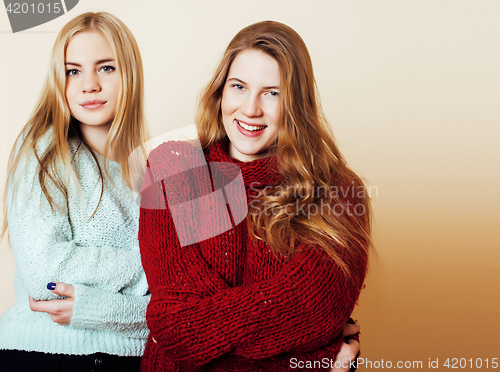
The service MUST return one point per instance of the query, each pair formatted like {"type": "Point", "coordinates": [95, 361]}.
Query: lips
{"type": "Point", "coordinates": [93, 104]}
{"type": "Point", "coordinates": [250, 130]}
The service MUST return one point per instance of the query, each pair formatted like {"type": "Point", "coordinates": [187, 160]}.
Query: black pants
{"type": "Point", "coordinates": [31, 361]}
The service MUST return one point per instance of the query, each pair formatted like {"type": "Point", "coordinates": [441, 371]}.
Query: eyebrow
{"type": "Point", "coordinates": [242, 82]}
{"type": "Point", "coordinates": [101, 61]}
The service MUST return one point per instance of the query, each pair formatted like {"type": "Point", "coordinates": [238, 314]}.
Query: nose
{"type": "Point", "coordinates": [252, 106]}
{"type": "Point", "coordinates": [91, 83]}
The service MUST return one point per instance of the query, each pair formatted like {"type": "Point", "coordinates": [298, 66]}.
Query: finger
{"type": "Point", "coordinates": [342, 360]}
{"type": "Point", "coordinates": [354, 346]}
{"type": "Point", "coordinates": [40, 306]}
{"type": "Point", "coordinates": [351, 329]}
{"type": "Point", "coordinates": [55, 306]}
{"type": "Point", "coordinates": [33, 304]}
{"type": "Point", "coordinates": [340, 369]}
{"type": "Point", "coordinates": [349, 350]}
{"type": "Point", "coordinates": [62, 319]}
{"type": "Point", "coordinates": [62, 289]}
{"type": "Point", "coordinates": [351, 341]}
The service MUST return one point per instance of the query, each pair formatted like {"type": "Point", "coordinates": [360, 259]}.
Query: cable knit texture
{"type": "Point", "coordinates": [97, 252]}
{"type": "Point", "coordinates": [229, 303]}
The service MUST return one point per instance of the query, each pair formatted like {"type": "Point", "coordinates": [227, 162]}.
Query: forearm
{"type": "Point", "coordinates": [108, 268]}
{"type": "Point", "coordinates": [46, 251]}
{"type": "Point", "coordinates": [299, 309]}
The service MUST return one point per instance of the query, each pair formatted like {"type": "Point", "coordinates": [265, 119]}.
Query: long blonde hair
{"type": "Point", "coordinates": [128, 129]}
{"type": "Point", "coordinates": [312, 166]}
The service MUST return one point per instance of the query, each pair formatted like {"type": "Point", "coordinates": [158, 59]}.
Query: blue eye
{"type": "Point", "coordinates": [274, 94]}
{"type": "Point", "coordinates": [237, 86]}
{"type": "Point", "coordinates": [107, 69]}
{"type": "Point", "coordinates": [72, 72]}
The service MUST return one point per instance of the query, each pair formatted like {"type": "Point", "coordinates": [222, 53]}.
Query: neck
{"type": "Point", "coordinates": [95, 137]}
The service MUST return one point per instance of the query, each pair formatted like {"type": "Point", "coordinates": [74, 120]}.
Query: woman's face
{"type": "Point", "coordinates": [92, 80]}
{"type": "Point", "coordinates": [250, 105]}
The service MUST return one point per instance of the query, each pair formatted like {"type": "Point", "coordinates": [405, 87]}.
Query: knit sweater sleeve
{"type": "Point", "coordinates": [195, 318]}
{"type": "Point", "coordinates": [45, 250]}
{"type": "Point", "coordinates": [114, 312]}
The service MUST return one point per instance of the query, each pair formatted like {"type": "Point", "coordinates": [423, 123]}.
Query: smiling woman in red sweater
{"type": "Point", "coordinates": [274, 291]}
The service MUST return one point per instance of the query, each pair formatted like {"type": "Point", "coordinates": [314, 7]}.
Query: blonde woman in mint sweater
{"type": "Point", "coordinates": [81, 293]}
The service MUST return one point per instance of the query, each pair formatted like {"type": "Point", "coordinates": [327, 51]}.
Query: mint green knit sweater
{"type": "Point", "coordinates": [98, 253]}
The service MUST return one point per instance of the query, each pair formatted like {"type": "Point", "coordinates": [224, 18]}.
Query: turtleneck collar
{"type": "Point", "coordinates": [258, 173]}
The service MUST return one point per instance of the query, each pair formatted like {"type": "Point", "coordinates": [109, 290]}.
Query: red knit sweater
{"type": "Point", "coordinates": [229, 303]}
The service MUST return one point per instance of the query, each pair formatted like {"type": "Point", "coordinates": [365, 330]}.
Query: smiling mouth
{"type": "Point", "coordinates": [251, 128]}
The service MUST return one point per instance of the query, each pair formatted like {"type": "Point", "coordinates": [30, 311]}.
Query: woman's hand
{"type": "Point", "coordinates": [60, 311]}
{"type": "Point", "coordinates": [348, 351]}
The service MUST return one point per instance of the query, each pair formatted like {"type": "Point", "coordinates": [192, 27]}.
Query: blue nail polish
{"type": "Point", "coordinates": [51, 286]}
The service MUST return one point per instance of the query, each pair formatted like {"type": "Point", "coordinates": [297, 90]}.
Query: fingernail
{"type": "Point", "coordinates": [51, 286]}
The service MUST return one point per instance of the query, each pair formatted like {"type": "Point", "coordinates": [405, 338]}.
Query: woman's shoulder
{"type": "Point", "coordinates": [27, 153]}
{"type": "Point", "coordinates": [175, 157]}
{"type": "Point", "coordinates": [29, 146]}
{"type": "Point", "coordinates": [36, 159]}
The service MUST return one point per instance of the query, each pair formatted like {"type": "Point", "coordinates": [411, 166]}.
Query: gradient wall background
{"type": "Point", "coordinates": [412, 90]}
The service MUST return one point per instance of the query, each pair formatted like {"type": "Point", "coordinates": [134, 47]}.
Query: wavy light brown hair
{"type": "Point", "coordinates": [314, 171]}
{"type": "Point", "coordinates": [128, 129]}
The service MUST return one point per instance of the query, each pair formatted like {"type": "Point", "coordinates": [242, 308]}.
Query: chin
{"type": "Point", "coordinates": [249, 151]}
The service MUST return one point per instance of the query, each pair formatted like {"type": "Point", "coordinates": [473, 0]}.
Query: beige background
{"type": "Point", "coordinates": [411, 89]}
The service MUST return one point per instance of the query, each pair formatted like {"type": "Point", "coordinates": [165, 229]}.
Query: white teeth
{"type": "Point", "coordinates": [251, 128]}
